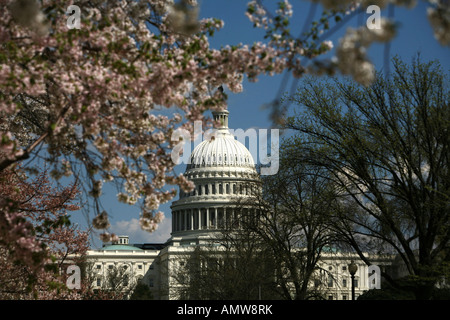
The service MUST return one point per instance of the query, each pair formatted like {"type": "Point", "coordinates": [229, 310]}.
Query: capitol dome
{"type": "Point", "coordinates": [223, 171]}
{"type": "Point", "coordinates": [221, 149]}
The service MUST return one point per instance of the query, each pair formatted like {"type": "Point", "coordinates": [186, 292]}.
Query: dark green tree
{"type": "Point", "coordinates": [292, 214]}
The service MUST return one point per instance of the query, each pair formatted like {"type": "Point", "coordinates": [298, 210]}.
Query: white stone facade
{"type": "Point", "coordinates": [141, 265]}
{"type": "Point", "coordinates": [337, 284]}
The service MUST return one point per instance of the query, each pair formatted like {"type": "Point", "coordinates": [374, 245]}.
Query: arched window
{"type": "Point", "coordinates": [206, 189]}
{"type": "Point", "coordinates": [220, 188]}
{"type": "Point", "coordinates": [227, 188]}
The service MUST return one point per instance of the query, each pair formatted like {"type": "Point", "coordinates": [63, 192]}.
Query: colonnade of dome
{"type": "Point", "coordinates": [207, 218]}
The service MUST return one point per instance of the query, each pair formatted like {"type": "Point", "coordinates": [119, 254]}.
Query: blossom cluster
{"type": "Point", "coordinates": [352, 49]}
{"type": "Point", "coordinates": [35, 235]}
{"type": "Point", "coordinates": [439, 17]}
{"type": "Point", "coordinates": [102, 86]}
{"type": "Point", "coordinates": [149, 221]}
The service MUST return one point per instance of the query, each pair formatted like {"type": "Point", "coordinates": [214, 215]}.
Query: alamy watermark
{"type": "Point", "coordinates": [374, 21]}
{"type": "Point", "coordinates": [257, 145]}
{"type": "Point", "coordinates": [74, 280]}
{"type": "Point", "coordinates": [374, 279]}
{"type": "Point", "coordinates": [74, 19]}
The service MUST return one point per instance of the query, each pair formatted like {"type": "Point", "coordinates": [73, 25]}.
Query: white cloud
{"type": "Point", "coordinates": [132, 229]}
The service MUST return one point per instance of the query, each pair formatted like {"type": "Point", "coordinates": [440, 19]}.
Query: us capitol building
{"type": "Point", "coordinates": [223, 171]}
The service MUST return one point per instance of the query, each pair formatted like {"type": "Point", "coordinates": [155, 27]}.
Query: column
{"type": "Point", "coordinates": [215, 218]}
{"type": "Point", "coordinates": [232, 220]}
{"type": "Point", "coordinates": [199, 219]}
{"type": "Point", "coordinates": [188, 219]}
{"type": "Point", "coordinates": [211, 218]}
{"type": "Point", "coordinates": [173, 221]}
{"type": "Point", "coordinates": [195, 219]}
{"type": "Point", "coordinates": [179, 220]}
{"type": "Point", "coordinates": [175, 216]}
{"type": "Point", "coordinates": [224, 217]}
{"type": "Point", "coordinates": [191, 217]}
{"type": "Point", "coordinates": [207, 218]}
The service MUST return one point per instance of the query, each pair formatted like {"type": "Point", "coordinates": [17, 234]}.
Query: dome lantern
{"type": "Point", "coordinates": [222, 118]}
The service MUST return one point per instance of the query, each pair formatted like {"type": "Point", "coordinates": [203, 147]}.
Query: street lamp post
{"type": "Point", "coordinates": [352, 268]}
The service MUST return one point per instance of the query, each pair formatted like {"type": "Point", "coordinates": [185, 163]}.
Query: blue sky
{"type": "Point", "coordinates": [246, 108]}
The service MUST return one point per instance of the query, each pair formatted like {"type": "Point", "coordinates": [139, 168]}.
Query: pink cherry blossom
{"type": "Point", "coordinates": [100, 91]}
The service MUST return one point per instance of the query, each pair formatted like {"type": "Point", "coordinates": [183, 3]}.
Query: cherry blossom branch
{"type": "Point", "coordinates": [26, 153]}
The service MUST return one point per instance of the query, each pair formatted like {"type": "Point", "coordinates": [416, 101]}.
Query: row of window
{"type": "Point", "coordinates": [226, 188]}
{"type": "Point", "coordinates": [123, 240]}
{"type": "Point", "coordinates": [150, 282]}
{"type": "Point", "coordinates": [344, 297]}
{"type": "Point", "coordinates": [221, 174]}
{"type": "Point", "coordinates": [331, 280]}
{"type": "Point", "coordinates": [344, 268]}
{"type": "Point", "coordinates": [344, 282]}
{"type": "Point", "coordinates": [111, 266]}
{"type": "Point", "coordinates": [212, 160]}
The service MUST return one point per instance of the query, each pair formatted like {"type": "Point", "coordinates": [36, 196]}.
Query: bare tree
{"type": "Point", "coordinates": [232, 270]}
{"type": "Point", "coordinates": [386, 150]}
{"type": "Point", "coordinates": [270, 247]}
{"type": "Point", "coordinates": [118, 281]}
{"type": "Point", "coordinates": [289, 218]}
